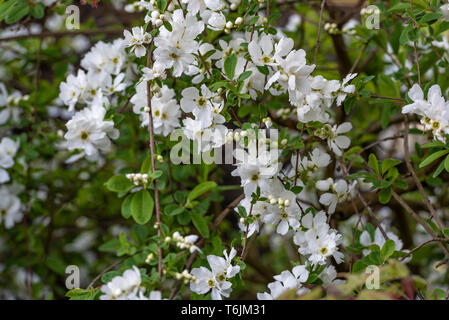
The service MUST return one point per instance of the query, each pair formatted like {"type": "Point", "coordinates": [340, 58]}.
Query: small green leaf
{"type": "Point", "coordinates": [173, 210]}
{"type": "Point", "coordinates": [245, 75]}
{"type": "Point", "coordinates": [126, 206]}
{"type": "Point", "coordinates": [374, 163]}
{"type": "Point", "coordinates": [385, 195]}
{"type": "Point", "coordinates": [119, 183]}
{"type": "Point", "coordinates": [200, 224]}
{"type": "Point", "coordinates": [387, 249]}
{"type": "Point", "coordinates": [201, 189]}
{"type": "Point", "coordinates": [431, 158]}
{"type": "Point", "coordinates": [38, 10]}
{"type": "Point", "coordinates": [142, 206]}
{"type": "Point", "coordinates": [229, 66]}
{"type": "Point", "coordinates": [389, 163]}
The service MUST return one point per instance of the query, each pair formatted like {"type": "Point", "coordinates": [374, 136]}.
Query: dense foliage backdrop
{"type": "Point", "coordinates": [331, 116]}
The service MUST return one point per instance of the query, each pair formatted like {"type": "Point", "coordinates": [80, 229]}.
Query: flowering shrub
{"type": "Point", "coordinates": [210, 149]}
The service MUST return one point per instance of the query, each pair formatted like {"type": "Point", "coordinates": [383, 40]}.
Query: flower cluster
{"type": "Point", "coordinates": [186, 242]}
{"type": "Point", "coordinates": [138, 178]}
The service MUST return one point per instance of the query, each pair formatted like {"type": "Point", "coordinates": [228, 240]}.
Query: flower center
{"type": "Point", "coordinates": [323, 250]}
{"type": "Point", "coordinates": [84, 135]}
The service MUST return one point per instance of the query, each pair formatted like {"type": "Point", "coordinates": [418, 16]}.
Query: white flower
{"type": "Point", "coordinates": [262, 51]}
{"type": "Point", "coordinates": [335, 140]}
{"type": "Point", "coordinates": [345, 89]}
{"type": "Point", "coordinates": [282, 215]}
{"type": "Point", "coordinates": [340, 192]}
{"type": "Point", "coordinates": [8, 150]}
{"type": "Point", "coordinates": [125, 287]}
{"type": "Point", "coordinates": [435, 110]}
{"type": "Point", "coordinates": [10, 208]}
{"type": "Point", "coordinates": [88, 131]}
{"type": "Point", "coordinates": [286, 280]}
{"type": "Point", "coordinates": [195, 6]}
{"type": "Point", "coordinates": [137, 40]}
{"type": "Point", "coordinates": [199, 104]}
{"type": "Point", "coordinates": [156, 72]}
{"type": "Point", "coordinates": [324, 247]}
{"type": "Point", "coordinates": [215, 280]}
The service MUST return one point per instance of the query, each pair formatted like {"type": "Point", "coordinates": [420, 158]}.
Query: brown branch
{"type": "Point", "coordinates": [319, 31]}
{"type": "Point", "coordinates": [422, 245]}
{"type": "Point", "coordinates": [153, 165]}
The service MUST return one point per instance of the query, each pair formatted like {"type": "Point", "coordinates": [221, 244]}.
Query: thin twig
{"type": "Point", "coordinates": [319, 31]}
{"type": "Point", "coordinates": [153, 165]}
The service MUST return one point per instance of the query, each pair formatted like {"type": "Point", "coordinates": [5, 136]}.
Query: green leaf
{"type": "Point", "coordinates": [156, 174]}
{"type": "Point", "coordinates": [387, 249]}
{"type": "Point", "coordinates": [359, 266]}
{"type": "Point", "coordinates": [389, 163]}
{"type": "Point", "coordinates": [18, 12]}
{"type": "Point", "coordinates": [446, 164]}
{"type": "Point", "coordinates": [162, 4]}
{"type": "Point", "coordinates": [245, 75]}
{"type": "Point", "coordinates": [374, 163]}
{"type": "Point", "coordinates": [200, 224]}
{"type": "Point", "coordinates": [142, 206]}
{"type": "Point", "coordinates": [6, 7]}
{"type": "Point", "coordinates": [434, 156]}
{"type": "Point", "coordinates": [173, 210]}
{"type": "Point", "coordinates": [201, 189]}
{"type": "Point", "coordinates": [119, 183]}
{"type": "Point", "coordinates": [229, 66]}
{"type": "Point", "coordinates": [38, 10]}
{"type": "Point", "coordinates": [385, 195]}
{"type": "Point", "coordinates": [126, 206]}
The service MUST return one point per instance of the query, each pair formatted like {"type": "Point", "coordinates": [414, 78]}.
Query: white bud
{"type": "Point", "coordinates": [233, 7]}
{"type": "Point", "coordinates": [273, 201]}
{"type": "Point", "coordinates": [287, 203]}
{"type": "Point", "coordinates": [284, 141]}
{"type": "Point", "coordinates": [155, 14]}
{"type": "Point", "coordinates": [159, 22]}
{"type": "Point", "coordinates": [238, 21]}
{"type": "Point", "coordinates": [281, 201]}
{"type": "Point", "coordinates": [229, 25]}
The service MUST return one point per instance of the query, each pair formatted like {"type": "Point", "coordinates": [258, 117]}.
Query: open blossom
{"type": "Point", "coordinates": [137, 40]}
{"type": "Point", "coordinates": [8, 150]}
{"type": "Point", "coordinates": [286, 280]}
{"type": "Point", "coordinates": [340, 191]}
{"type": "Point", "coordinates": [10, 208]}
{"type": "Point", "coordinates": [216, 279]}
{"type": "Point", "coordinates": [88, 131]}
{"type": "Point", "coordinates": [125, 287]}
{"type": "Point", "coordinates": [199, 103]}
{"type": "Point", "coordinates": [434, 110]}
{"type": "Point", "coordinates": [195, 6]}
